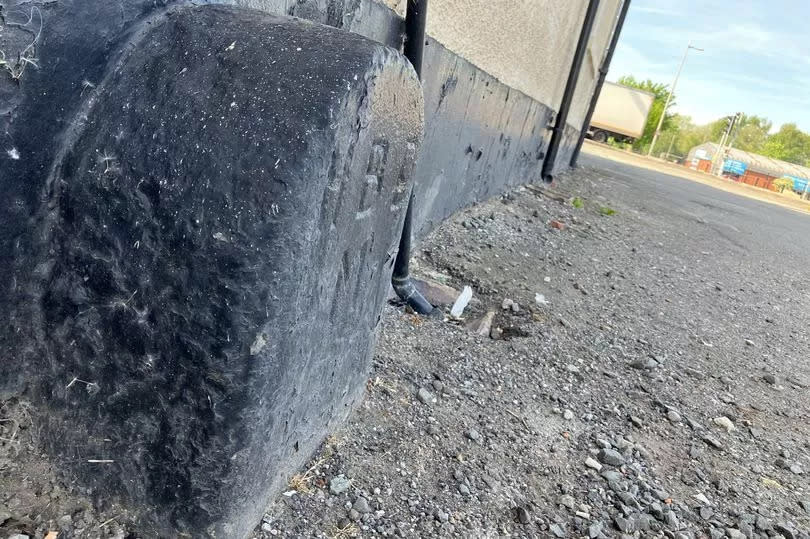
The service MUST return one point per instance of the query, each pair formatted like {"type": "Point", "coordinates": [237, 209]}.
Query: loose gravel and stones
{"type": "Point", "coordinates": [590, 414]}
{"type": "Point", "coordinates": [577, 397]}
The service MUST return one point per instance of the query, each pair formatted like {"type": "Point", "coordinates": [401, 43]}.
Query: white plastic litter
{"type": "Point", "coordinates": [461, 302]}
{"type": "Point", "coordinates": [540, 299]}
{"type": "Point", "coordinates": [702, 499]}
{"type": "Point", "coordinates": [592, 463]}
{"type": "Point", "coordinates": [725, 423]}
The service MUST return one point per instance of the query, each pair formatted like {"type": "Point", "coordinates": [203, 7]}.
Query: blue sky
{"type": "Point", "coordinates": [756, 59]}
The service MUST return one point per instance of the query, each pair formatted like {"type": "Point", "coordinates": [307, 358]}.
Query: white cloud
{"type": "Point", "coordinates": [657, 11]}
{"type": "Point", "coordinates": [632, 61]}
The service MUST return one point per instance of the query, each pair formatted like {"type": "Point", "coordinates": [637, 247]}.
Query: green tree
{"type": "Point", "coordinates": [683, 135]}
{"type": "Point", "coordinates": [751, 133]}
{"type": "Point", "coordinates": [679, 136]}
{"type": "Point", "coordinates": [788, 144]}
{"type": "Point", "coordinates": [661, 91]}
{"type": "Point", "coordinates": [716, 128]}
{"type": "Point", "coordinates": [694, 135]}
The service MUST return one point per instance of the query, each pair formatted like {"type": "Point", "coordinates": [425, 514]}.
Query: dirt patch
{"type": "Point", "coordinates": [34, 502]}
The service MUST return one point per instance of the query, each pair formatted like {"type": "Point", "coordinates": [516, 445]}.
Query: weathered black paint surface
{"type": "Point", "coordinates": [481, 137]}
{"type": "Point", "coordinates": [468, 112]}
{"type": "Point", "coordinates": [197, 281]}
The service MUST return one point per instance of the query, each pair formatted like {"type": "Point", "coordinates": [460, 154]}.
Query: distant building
{"type": "Point", "coordinates": [749, 168]}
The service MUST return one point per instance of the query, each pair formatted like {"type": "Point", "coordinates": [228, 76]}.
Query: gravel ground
{"type": "Point", "coordinates": [659, 388]}
{"type": "Point", "coordinates": [660, 391]}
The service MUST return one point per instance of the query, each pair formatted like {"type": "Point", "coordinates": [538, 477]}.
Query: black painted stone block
{"type": "Point", "coordinates": [192, 299]}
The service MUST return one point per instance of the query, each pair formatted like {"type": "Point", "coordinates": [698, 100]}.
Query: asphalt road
{"type": "Point", "coordinates": [776, 235]}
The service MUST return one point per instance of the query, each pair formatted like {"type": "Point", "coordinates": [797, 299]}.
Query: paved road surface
{"type": "Point", "coordinates": [606, 153]}
{"type": "Point", "coordinates": [779, 234]}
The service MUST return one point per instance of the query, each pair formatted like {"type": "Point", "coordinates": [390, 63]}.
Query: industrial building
{"type": "Point", "coordinates": [750, 168]}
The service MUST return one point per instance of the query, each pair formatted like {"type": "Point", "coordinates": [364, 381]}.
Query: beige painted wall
{"type": "Point", "coordinates": [526, 44]}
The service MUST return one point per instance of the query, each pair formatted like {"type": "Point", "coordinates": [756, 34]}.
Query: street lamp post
{"type": "Point", "coordinates": [671, 144]}
{"type": "Point", "coordinates": [669, 97]}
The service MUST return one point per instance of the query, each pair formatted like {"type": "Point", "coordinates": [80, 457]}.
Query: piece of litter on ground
{"type": "Point", "coordinates": [540, 299]}
{"type": "Point", "coordinates": [483, 325]}
{"type": "Point", "coordinates": [461, 302]}
{"type": "Point", "coordinates": [770, 483]}
{"type": "Point", "coordinates": [702, 499]}
{"type": "Point", "coordinates": [592, 463]}
{"type": "Point", "coordinates": [725, 423]}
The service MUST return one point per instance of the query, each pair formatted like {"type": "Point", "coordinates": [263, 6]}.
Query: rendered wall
{"type": "Point", "coordinates": [481, 137]}
{"type": "Point", "coordinates": [526, 44]}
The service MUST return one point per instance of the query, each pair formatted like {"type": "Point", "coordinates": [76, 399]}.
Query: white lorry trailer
{"type": "Point", "coordinates": [621, 112]}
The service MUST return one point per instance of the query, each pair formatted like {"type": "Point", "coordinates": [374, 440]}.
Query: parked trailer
{"type": "Point", "coordinates": [621, 112]}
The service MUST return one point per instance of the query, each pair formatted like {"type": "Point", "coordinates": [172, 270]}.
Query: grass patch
{"type": "Point", "coordinates": [578, 203]}
{"type": "Point", "coordinates": [605, 210]}
{"type": "Point", "coordinates": [303, 482]}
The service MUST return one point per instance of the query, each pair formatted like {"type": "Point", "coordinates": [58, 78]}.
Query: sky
{"type": "Point", "coordinates": [756, 56]}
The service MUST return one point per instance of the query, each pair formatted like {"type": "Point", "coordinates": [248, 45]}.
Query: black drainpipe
{"type": "Point", "coordinates": [415, 20]}
{"type": "Point", "coordinates": [603, 71]}
{"type": "Point", "coordinates": [570, 87]}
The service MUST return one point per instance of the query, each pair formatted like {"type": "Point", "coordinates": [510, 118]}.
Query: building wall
{"type": "Point", "coordinates": [751, 177]}
{"type": "Point", "coordinates": [525, 44]}
{"type": "Point", "coordinates": [757, 179]}
{"type": "Point", "coordinates": [764, 167]}
{"type": "Point", "coordinates": [494, 75]}
{"type": "Point", "coordinates": [481, 138]}
{"type": "Point", "coordinates": [704, 165]}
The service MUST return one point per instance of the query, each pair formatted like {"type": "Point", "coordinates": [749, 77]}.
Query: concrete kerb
{"type": "Point", "coordinates": [210, 262]}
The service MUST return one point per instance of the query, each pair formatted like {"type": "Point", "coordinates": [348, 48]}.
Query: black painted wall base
{"type": "Point", "coordinates": [481, 138]}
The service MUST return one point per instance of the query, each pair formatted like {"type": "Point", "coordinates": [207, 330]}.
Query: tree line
{"type": "Point", "coordinates": [751, 134]}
